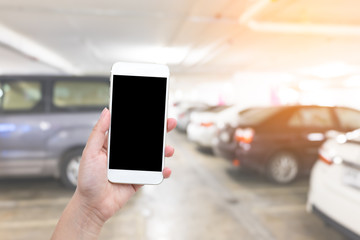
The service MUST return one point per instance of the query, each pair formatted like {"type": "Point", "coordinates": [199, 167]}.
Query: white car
{"type": "Point", "coordinates": [203, 126]}
{"type": "Point", "coordinates": [183, 111]}
{"type": "Point", "coordinates": [334, 193]}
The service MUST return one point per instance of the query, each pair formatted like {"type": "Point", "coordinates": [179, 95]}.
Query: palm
{"type": "Point", "coordinates": [93, 184]}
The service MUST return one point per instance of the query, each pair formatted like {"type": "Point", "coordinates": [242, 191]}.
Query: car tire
{"type": "Point", "coordinates": [283, 167]}
{"type": "Point", "coordinates": [69, 168]}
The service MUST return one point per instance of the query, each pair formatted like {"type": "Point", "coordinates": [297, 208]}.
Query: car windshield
{"type": "Point", "coordinates": [256, 115]}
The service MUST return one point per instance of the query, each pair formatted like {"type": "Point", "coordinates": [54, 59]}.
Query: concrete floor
{"type": "Point", "coordinates": [206, 198]}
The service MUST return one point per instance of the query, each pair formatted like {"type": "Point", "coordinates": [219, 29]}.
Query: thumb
{"type": "Point", "coordinates": [98, 135]}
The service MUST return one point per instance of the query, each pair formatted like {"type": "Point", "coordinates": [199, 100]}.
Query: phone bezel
{"type": "Point", "coordinates": [143, 70]}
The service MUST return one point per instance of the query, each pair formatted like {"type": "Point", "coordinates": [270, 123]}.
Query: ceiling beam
{"type": "Point", "coordinates": [34, 50]}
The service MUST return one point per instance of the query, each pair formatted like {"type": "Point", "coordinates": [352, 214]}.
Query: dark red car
{"type": "Point", "coordinates": [282, 142]}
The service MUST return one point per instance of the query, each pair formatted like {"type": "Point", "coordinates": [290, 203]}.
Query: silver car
{"type": "Point", "coordinates": [45, 122]}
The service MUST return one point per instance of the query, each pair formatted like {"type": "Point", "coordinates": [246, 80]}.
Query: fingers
{"type": "Point", "coordinates": [171, 124]}
{"type": "Point", "coordinates": [169, 151]}
{"type": "Point", "coordinates": [137, 186]}
{"type": "Point", "coordinates": [98, 135]}
{"type": "Point", "coordinates": [106, 143]}
{"type": "Point", "coordinates": [166, 172]}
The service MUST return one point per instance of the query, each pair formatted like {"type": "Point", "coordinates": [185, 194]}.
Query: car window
{"type": "Point", "coordinates": [312, 117]}
{"type": "Point", "coordinates": [80, 94]}
{"type": "Point", "coordinates": [21, 95]}
{"type": "Point", "coordinates": [257, 115]}
{"type": "Point", "coordinates": [1, 93]}
{"type": "Point", "coordinates": [247, 111]}
{"type": "Point", "coordinates": [216, 109]}
{"type": "Point", "coordinates": [348, 118]}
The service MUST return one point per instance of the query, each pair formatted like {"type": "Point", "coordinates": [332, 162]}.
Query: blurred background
{"type": "Point", "coordinates": [266, 94]}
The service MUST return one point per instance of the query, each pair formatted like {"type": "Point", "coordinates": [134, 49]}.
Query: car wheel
{"type": "Point", "coordinates": [70, 167]}
{"type": "Point", "coordinates": [283, 167]}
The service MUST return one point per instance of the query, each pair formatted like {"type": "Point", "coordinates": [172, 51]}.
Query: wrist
{"type": "Point", "coordinates": [92, 217]}
{"type": "Point", "coordinates": [78, 221]}
{"type": "Point", "coordinates": [86, 220]}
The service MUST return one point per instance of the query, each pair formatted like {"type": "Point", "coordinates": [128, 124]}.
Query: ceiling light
{"type": "Point", "coordinates": [155, 54]}
{"type": "Point", "coordinates": [329, 70]}
{"type": "Point", "coordinates": [353, 81]}
{"type": "Point", "coordinates": [304, 28]}
{"type": "Point", "coordinates": [171, 55]}
{"type": "Point", "coordinates": [310, 85]}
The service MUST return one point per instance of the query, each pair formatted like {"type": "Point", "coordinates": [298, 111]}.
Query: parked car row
{"type": "Point", "coordinates": [281, 142]}
{"type": "Point", "coordinates": [288, 141]}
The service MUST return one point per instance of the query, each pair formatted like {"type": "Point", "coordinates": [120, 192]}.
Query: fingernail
{"type": "Point", "coordinates": [103, 113]}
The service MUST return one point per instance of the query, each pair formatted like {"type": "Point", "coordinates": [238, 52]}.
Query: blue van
{"type": "Point", "coordinates": [45, 122]}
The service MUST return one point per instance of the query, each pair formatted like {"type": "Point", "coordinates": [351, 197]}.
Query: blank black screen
{"type": "Point", "coordinates": [137, 123]}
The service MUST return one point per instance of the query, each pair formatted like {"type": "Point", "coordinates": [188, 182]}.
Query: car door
{"type": "Point", "coordinates": [310, 125]}
{"type": "Point", "coordinates": [22, 148]}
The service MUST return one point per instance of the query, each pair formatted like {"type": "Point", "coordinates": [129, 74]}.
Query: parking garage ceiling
{"type": "Point", "coordinates": [217, 37]}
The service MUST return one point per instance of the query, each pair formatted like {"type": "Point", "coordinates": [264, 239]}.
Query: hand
{"type": "Point", "coordinates": [96, 199]}
{"type": "Point", "coordinates": [93, 186]}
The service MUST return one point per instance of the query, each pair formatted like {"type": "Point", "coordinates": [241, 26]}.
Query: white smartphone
{"type": "Point", "coordinates": [138, 107]}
